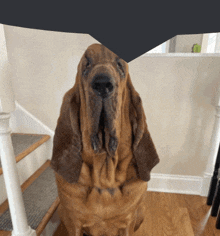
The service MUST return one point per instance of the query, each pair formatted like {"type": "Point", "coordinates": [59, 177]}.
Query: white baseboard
{"type": "Point", "coordinates": [206, 184]}
{"type": "Point", "coordinates": [182, 184]}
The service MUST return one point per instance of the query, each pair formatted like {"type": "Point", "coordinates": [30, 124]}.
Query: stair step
{"type": "Point", "coordinates": [23, 144]}
{"type": "Point", "coordinates": [40, 199]}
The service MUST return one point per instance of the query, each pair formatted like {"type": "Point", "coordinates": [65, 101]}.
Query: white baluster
{"type": "Point", "coordinates": [214, 145]}
{"type": "Point", "coordinates": [12, 183]}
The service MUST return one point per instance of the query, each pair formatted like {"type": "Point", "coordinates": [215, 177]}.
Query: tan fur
{"type": "Point", "coordinates": [101, 185]}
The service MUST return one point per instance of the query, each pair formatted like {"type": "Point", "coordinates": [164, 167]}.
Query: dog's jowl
{"type": "Point", "coordinates": [103, 152]}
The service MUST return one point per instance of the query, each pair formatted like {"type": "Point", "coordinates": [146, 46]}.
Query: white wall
{"type": "Point", "coordinates": [179, 96]}
{"type": "Point", "coordinates": [178, 92]}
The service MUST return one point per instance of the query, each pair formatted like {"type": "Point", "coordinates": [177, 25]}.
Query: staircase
{"type": "Point", "coordinates": [32, 147]}
{"type": "Point", "coordinates": [37, 183]}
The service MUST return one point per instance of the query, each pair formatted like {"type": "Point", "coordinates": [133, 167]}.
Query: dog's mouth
{"type": "Point", "coordinates": [98, 138]}
{"type": "Point", "coordinates": [104, 139]}
{"type": "Point", "coordinates": [102, 125]}
{"type": "Point", "coordinates": [103, 108]}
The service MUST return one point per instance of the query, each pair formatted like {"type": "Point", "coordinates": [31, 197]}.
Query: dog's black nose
{"type": "Point", "coordinates": [102, 85]}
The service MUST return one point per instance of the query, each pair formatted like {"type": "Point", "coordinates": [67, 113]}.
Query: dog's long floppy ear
{"type": "Point", "coordinates": [66, 157]}
{"type": "Point", "coordinates": [143, 147]}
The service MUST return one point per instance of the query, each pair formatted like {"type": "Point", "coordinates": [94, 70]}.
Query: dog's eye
{"type": "Point", "coordinates": [120, 67]}
{"type": "Point", "coordinates": [119, 64]}
{"type": "Point", "coordinates": [88, 64]}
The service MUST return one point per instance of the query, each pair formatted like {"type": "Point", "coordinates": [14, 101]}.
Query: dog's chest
{"type": "Point", "coordinates": [105, 171]}
{"type": "Point", "coordinates": [108, 172]}
{"type": "Point", "coordinates": [86, 202]}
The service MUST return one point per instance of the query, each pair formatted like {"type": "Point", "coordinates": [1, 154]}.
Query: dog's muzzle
{"type": "Point", "coordinates": [103, 85]}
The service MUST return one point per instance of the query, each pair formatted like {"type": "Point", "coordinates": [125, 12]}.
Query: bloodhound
{"type": "Point", "coordinates": [102, 152]}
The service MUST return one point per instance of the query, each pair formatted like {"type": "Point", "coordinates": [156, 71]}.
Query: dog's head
{"type": "Point", "coordinates": [102, 78]}
{"type": "Point", "coordinates": [91, 115]}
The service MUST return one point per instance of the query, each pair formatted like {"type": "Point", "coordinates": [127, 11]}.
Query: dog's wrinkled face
{"type": "Point", "coordinates": [103, 80]}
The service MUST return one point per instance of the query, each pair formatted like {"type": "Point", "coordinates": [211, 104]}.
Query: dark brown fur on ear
{"type": "Point", "coordinates": [143, 147]}
{"type": "Point", "coordinates": [66, 157]}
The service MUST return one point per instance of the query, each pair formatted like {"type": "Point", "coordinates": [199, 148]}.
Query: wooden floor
{"type": "Point", "coordinates": [173, 215]}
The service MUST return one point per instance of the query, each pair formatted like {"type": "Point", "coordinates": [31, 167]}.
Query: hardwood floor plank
{"type": "Point", "coordinates": [182, 222]}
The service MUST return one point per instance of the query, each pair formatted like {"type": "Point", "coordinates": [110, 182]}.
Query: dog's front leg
{"type": "Point", "coordinates": [78, 231]}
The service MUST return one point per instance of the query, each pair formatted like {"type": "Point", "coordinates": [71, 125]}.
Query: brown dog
{"type": "Point", "coordinates": [103, 152]}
